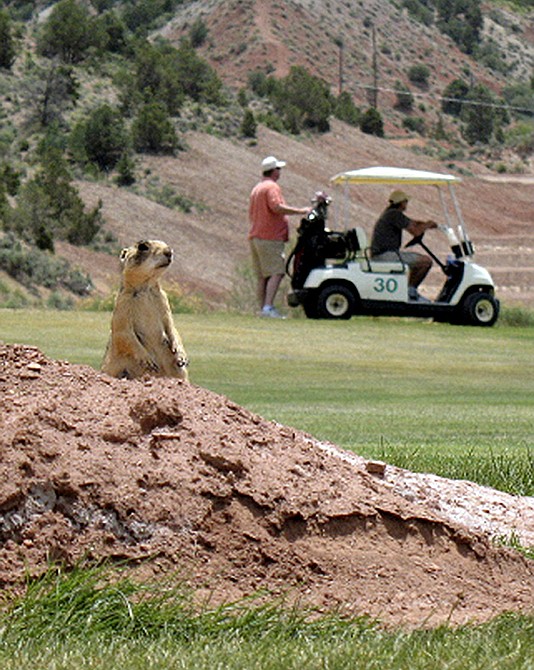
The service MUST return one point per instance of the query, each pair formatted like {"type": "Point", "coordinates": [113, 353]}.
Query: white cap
{"type": "Point", "coordinates": [270, 163]}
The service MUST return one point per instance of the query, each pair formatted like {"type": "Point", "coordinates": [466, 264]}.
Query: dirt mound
{"type": "Point", "coordinates": [176, 478]}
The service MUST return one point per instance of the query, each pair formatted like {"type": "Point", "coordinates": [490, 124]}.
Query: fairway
{"type": "Point", "coordinates": [452, 400]}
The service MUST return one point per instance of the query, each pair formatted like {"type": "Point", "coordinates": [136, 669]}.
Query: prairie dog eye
{"type": "Point", "coordinates": [143, 246]}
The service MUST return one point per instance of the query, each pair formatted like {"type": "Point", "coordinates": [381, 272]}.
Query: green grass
{"type": "Point", "coordinates": [82, 621]}
{"type": "Point", "coordinates": [452, 400]}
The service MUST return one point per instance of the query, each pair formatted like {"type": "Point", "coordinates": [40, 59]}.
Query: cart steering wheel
{"type": "Point", "coordinates": [415, 240]}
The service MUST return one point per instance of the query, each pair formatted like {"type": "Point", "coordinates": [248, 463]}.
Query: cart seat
{"type": "Point", "coordinates": [385, 266]}
{"type": "Point", "coordinates": [371, 265]}
{"type": "Point", "coordinates": [361, 239]}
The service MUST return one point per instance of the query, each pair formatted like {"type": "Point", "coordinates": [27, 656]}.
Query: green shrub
{"type": "Point", "coordinates": [166, 75]}
{"type": "Point", "coordinates": [98, 303]}
{"type": "Point", "coordinates": [198, 32]}
{"type": "Point", "coordinates": [462, 20]}
{"type": "Point", "coordinates": [520, 96]}
{"type": "Point", "coordinates": [521, 139]}
{"type": "Point", "coordinates": [516, 316]}
{"type": "Point", "coordinates": [272, 121]}
{"type": "Point", "coordinates": [7, 41]}
{"type": "Point", "coordinates": [153, 131]}
{"type": "Point", "coordinates": [35, 268]}
{"type": "Point", "coordinates": [303, 101]}
{"type": "Point", "coordinates": [261, 84]}
{"type": "Point", "coordinates": [125, 170]}
{"type": "Point", "coordinates": [144, 15]}
{"type": "Point", "coordinates": [67, 32]}
{"type": "Point", "coordinates": [59, 301]}
{"type": "Point", "coordinates": [249, 124]}
{"type": "Point", "coordinates": [182, 302]}
{"type": "Point", "coordinates": [345, 109]}
{"type": "Point", "coordinates": [453, 96]}
{"type": "Point", "coordinates": [404, 97]}
{"type": "Point", "coordinates": [479, 116]}
{"type": "Point", "coordinates": [371, 122]}
{"type": "Point", "coordinates": [12, 298]}
{"type": "Point", "coordinates": [419, 74]}
{"type": "Point", "coordinates": [199, 81]}
{"type": "Point", "coordinates": [101, 138]}
{"type": "Point", "coordinates": [420, 11]}
{"type": "Point", "coordinates": [154, 80]}
{"type": "Point", "coordinates": [415, 124]}
{"type": "Point", "coordinates": [167, 196]}
{"type": "Point", "coordinates": [111, 33]}
{"type": "Point", "coordinates": [489, 54]}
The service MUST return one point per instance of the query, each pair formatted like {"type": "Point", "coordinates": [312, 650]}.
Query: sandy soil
{"type": "Point", "coordinates": [175, 478]}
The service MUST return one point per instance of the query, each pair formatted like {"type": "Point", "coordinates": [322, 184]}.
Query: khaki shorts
{"type": "Point", "coordinates": [268, 257]}
{"type": "Point", "coordinates": [408, 257]}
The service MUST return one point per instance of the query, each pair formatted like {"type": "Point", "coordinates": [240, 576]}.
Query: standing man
{"type": "Point", "coordinates": [269, 231]}
{"type": "Point", "coordinates": [387, 237]}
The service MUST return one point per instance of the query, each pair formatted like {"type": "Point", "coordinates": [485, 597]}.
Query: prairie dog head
{"type": "Point", "coordinates": [145, 261]}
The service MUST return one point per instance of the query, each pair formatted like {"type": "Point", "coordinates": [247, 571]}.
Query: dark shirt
{"type": "Point", "coordinates": [387, 234]}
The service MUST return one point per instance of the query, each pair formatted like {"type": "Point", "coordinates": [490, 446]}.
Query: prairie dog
{"type": "Point", "coordinates": [143, 337]}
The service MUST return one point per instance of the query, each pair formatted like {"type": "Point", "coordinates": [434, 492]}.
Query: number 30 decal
{"type": "Point", "coordinates": [388, 285]}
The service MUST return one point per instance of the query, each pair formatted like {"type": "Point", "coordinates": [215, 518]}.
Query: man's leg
{"type": "Point", "coordinates": [419, 270]}
{"type": "Point", "coordinates": [261, 290]}
{"type": "Point", "coordinates": [268, 259]}
{"type": "Point", "coordinates": [271, 288]}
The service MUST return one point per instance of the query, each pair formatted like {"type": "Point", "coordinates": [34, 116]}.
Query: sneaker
{"type": "Point", "coordinates": [413, 294]}
{"type": "Point", "coordinates": [271, 312]}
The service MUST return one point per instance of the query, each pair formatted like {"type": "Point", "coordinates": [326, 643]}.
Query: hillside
{"type": "Point", "coordinates": [211, 244]}
{"type": "Point", "coordinates": [217, 170]}
{"type": "Point", "coordinates": [248, 35]}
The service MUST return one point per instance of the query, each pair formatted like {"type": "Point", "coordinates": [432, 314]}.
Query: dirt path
{"type": "Point", "coordinates": [277, 52]}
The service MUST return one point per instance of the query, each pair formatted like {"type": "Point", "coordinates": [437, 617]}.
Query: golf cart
{"type": "Point", "coordinates": [333, 275]}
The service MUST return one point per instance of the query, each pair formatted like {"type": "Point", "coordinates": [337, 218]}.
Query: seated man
{"type": "Point", "coordinates": [387, 237]}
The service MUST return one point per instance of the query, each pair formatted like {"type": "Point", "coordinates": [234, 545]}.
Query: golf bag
{"type": "Point", "coordinates": [315, 243]}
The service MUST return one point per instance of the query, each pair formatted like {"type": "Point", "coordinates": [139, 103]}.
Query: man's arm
{"type": "Point", "coordinates": [417, 228]}
{"type": "Point", "coordinates": [285, 209]}
{"type": "Point", "coordinates": [277, 205]}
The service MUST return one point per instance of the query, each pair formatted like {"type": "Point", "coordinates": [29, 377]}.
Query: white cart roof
{"type": "Point", "coordinates": [393, 175]}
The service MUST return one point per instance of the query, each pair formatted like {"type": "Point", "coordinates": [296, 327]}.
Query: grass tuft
{"type": "Point", "coordinates": [91, 617]}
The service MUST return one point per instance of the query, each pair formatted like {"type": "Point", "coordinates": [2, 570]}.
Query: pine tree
{"type": "Point", "coordinates": [67, 32]}
{"type": "Point", "coordinates": [248, 124]}
{"type": "Point", "coordinates": [7, 44]}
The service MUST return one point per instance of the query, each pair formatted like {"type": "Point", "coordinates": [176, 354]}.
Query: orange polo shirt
{"type": "Point", "coordinates": [265, 223]}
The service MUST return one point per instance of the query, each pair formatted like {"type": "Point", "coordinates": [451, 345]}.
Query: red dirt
{"type": "Point", "coordinates": [176, 478]}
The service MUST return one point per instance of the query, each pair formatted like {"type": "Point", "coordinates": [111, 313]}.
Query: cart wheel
{"type": "Point", "coordinates": [480, 309]}
{"type": "Point", "coordinates": [335, 302]}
